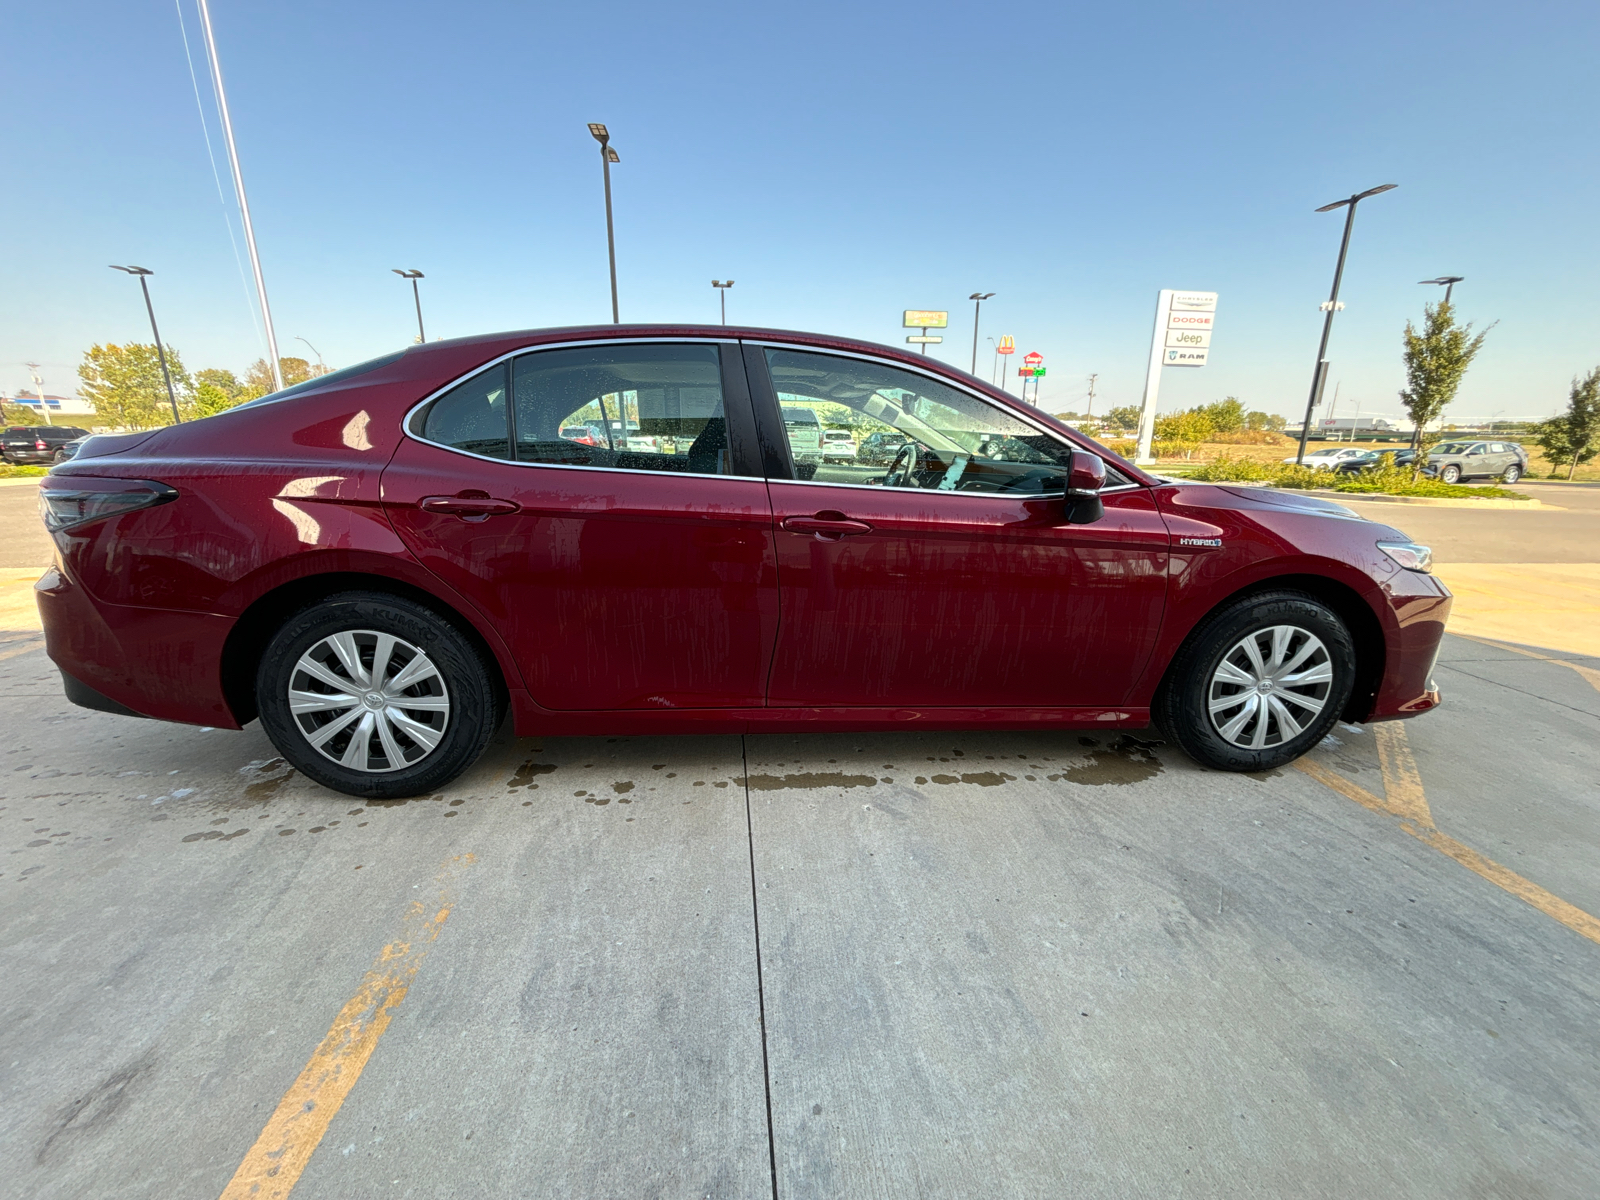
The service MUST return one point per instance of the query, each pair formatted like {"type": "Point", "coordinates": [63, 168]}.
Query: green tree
{"type": "Point", "coordinates": [216, 390]}
{"type": "Point", "coordinates": [1226, 415]}
{"type": "Point", "coordinates": [125, 386]}
{"type": "Point", "coordinates": [1574, 436]}
{"type": "Point", "coordinates": [1126, 417]}
{"type": "Point", "coordinates": [1436, 359]}
{"type": "Point", "coordinates": [18, 414]}
{"type": "Point", "coordinates": [258, 379]}
{"type": "Point", "coordinates": [1264, 420]}
{"type": "Point", "coordinates": [1182, 433]}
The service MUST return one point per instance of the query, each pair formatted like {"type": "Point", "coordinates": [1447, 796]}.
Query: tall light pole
{"type": "Point", "coordinates": [977, 299]}
{"type": "Point", "coordinates": [38, 385]}
{"type": "Point", "coordinates": [244, 203]}
{"type": "Point", "coordinates": [156, 333]}
{"type": "Point", "coordinates": [722, 294]}
{"type": "Point", "coordinates": [1319, 377]}
{"type": "Point", "coordinates": [1449, 282]}
{"type": "Point", "coordinates": [315, 351]}
{"type": "Point", "coordinates": [994, 372]}
{"type": "Point", "coordinates": [607, 157]}
{"type": "Point", "coordinates": [414, 275]}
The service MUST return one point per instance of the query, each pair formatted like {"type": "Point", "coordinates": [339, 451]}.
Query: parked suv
{"type": "Point", "coordinates": [37, 443]}
{"type": "Point", "coordinates": [1456, 461]}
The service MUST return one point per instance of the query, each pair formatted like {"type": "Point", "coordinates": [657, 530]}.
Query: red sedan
{"type": "Point", "coordinates": [380, 564]}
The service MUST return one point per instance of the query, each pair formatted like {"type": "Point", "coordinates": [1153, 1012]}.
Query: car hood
{"type": "Point", "coordinates": [1294, 501]}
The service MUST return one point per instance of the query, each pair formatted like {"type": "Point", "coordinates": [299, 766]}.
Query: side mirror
{"type": "Point", "coordinates": [1085, 477]}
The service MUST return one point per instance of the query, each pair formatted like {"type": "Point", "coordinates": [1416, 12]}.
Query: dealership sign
{"type": "Point", "coordinates": [1181, 338]}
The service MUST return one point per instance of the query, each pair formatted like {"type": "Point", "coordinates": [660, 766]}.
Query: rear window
{"type": "Point", "coordinates": [799, 416]}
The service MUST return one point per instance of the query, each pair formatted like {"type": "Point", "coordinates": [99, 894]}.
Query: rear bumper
{"type": "Point", "coordinates": [145, 661]}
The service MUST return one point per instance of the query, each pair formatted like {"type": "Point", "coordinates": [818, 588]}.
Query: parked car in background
{"type": "Point", "coordinates": [880, 447]}
{"type": "Point", "coordinates": [36, 443]}
{"type": "Point", "coordinates": [1329, 456]}
{"type": "Point", "coordinates": [1371, 458]}
{"type": "Point", "coordinates": [1456, 461]}
{"type": "Point", "coordinates": [838, 445]}
{"type": "Point", "coordinates": [383, 602]}
{"type": "Point", "coordinates": [805, 432]}
{"type": "Point", "coordinates": [69, 450]}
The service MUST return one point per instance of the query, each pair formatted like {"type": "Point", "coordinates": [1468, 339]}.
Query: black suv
{"type": "Point", "coordinates": [37, 443]}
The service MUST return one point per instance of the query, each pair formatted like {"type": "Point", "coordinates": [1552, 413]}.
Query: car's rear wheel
{"type": "Point", "coordinates": [1259, 683]}
{"type": "Point", "coordinates": [1451, 473]}
{"type": "Point", "coordinates": [375, 695]}
{"type": "Point", "coordinates": [1511, 474]}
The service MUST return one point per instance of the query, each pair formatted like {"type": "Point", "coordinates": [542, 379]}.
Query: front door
{"type": "Point", "coordinates": [950, 577]}
{"type": "Point", "coordinates": [602, 507]}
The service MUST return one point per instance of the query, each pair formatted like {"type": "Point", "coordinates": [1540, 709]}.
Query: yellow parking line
{"type": "Point", "coordinates": [273, 1165]}
{"type": "Point", "coordinates": [1405, 799]}
{"type": "Point", "coordinates": [1588, 673]}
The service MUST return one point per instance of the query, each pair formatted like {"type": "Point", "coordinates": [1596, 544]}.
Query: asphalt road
{"type": "Point", "coordinates": [882, 966]}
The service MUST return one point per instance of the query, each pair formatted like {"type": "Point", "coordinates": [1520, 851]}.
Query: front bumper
{"type": "Point", "coordinates": [1420, 605]}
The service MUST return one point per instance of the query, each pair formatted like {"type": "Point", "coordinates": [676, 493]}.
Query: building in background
{"type": "Point", "coordinates": [62, 406]}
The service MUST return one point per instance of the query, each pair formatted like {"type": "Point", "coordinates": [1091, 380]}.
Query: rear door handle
{"type": "Point", "coordinates": [468, 506]}
{"type": "Point", "coordinates": [831, 526]}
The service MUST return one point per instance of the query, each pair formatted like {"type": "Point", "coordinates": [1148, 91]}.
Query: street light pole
{"type": "Point", "coordinates": [414, 275]}
{"type": "Point", "coordinates": [315, 351]}
{"type": "Point", "coordinates": [1319, 377]}
{"type": "Point", "coordinates": [1449, 282]}
{"type": "Point", "coordinates": [607, 157]}
{"type": "Point", "coordinates": [38, 386]}
{"type": "Point", "coordinates": [977, 306]}
{"type": "Point", "coordinates": [994, 371]}
{"type": "Point", "coordinates": [244, 203]}
{"type": "Point", "coordinates": [161, 354]}
{"type": "Point", "coordinates": [722, 294]}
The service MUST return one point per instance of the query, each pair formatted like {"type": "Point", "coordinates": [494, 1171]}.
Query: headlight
{"type": "Point", "coordinates": [1409, 555]}
{"type": "Point", "coordinates": [66, 507]}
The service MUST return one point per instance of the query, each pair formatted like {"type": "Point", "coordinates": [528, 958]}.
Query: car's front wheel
{"type": "Point", "coordinates": [375, 695]}
{"type": "Point", "coordinates": [1259, 683]}
{"type": "Point", "coordinates": [1450, 473]}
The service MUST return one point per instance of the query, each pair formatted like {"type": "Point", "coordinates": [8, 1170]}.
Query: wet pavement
{"type": "Point", "coordinates": [933, 965]}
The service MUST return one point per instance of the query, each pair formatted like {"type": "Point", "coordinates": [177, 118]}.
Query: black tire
{"type": "Point", "coordinates": [1450, 473]}
{"type": "Point", "coordinates": [1511, 474]}
{"type": "Point", "coordinates": [464, 680]}
{"type": "Point", "coordinates": [1182, 709]}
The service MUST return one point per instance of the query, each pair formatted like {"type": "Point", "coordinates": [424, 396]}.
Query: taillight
{"type": "Point", "coordinates": [38, 444]}
{"type": "Point", "coordinates": [95, 499]}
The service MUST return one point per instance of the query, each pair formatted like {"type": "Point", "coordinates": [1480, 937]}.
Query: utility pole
{"type": "Point", "coordinates": [1092, 378]}
{"type": "Point", "coordinates": [244, 203]}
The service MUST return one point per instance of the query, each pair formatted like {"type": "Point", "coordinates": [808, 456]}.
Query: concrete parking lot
{"type": "Point", "coordinates": [818, 966]}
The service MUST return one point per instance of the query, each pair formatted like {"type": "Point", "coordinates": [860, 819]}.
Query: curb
{"type": "Point", "coordinates": [1432, 501]}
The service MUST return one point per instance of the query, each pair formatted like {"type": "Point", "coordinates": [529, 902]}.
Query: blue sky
{"type": "Point", "coordinates": [840, 162]}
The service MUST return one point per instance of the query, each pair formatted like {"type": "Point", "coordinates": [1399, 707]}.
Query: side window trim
{"type": "Point", "coordinates": [777, 456]}
{"type": "Point", "coordinates": [737, 406]}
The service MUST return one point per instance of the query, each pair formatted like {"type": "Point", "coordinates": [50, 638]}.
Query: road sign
{"type": "Point", "coordinates": [1189, 337]}
{"type": "Point", "coordinates": [925, 340]}
{"type": "Point", "coordinates": [917, 318]}
{"type": "Point", "coordinates": [1184, 319]}
{"type": "Point", "coordinates": [1007, 345]}
{"type": "Point", "coordinates": [1179, 357]}
{"type": "Point", "coordinates": [1195, 301]}
{"type": "Point", "coordinates": [1033, 359]}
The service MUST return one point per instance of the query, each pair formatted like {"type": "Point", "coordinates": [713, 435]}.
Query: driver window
{"type": "Point", "coordinates": [906, 430]}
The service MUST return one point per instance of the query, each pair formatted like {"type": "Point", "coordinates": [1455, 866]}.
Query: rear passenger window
{"type": "Point", "coordinates": [472, 416]}
{"type": "Point", "coordinates": [633, 407]}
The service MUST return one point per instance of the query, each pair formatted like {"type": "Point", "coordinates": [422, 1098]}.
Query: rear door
{"type": "Point", "coordinates": [621, 578]}
{"type": "Point", "coordinates": [950, 577]}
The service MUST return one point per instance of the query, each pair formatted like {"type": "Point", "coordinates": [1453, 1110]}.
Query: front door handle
{"type": "Point", "coordinates": [827, 525]}
{"type": "Point", "coordinates": [469, 506]}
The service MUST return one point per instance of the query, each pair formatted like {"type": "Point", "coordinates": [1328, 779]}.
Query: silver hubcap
{"type": "Point", "coordinates": [369, 701]}
{"type": "Point", "coordinates": [1270, 687]}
